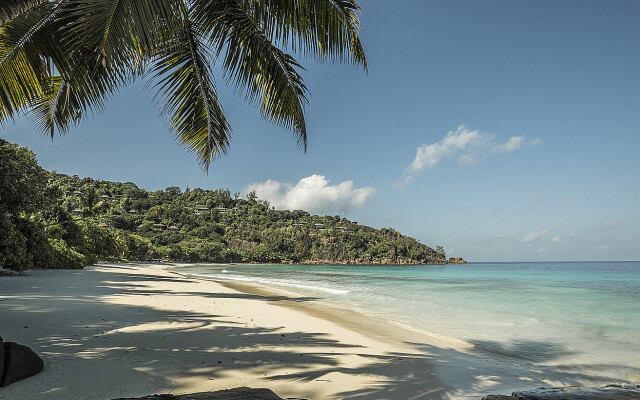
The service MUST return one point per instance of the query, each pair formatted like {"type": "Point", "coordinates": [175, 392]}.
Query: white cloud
{"type": "Point", "coordinates": [535, 142]}
{"type": "Point", "coordinates": [473, 145]}
{"type": "Point", "coordinates": [313, 194]}
{"type": "Point", "coordinates": [533, 236]}
{"type": "Point", "coordinates": [514, 143]}
{"type": "Point", "coordinates": [428, 155]}
{"type": "Point", "coordinates": [556, 239]}
{"type": "Point", "coordinates": [612, 223]}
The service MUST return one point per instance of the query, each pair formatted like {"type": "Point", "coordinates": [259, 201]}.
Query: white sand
{"type": "Point", "coordinates": [121, 330]}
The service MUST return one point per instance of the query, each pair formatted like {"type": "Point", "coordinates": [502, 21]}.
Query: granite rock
{"type": "Point", "coordinates": [241, 393]}
{"type": "Point", "coordinates": [1, 357]}
{"type": "Point", "coordinates": [20, 362]}
{"type": "Point", "coordinates": [609, 392]}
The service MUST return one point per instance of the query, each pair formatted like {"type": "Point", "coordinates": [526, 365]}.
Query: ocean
{"type": "Point", "coordinates": [584, 314]}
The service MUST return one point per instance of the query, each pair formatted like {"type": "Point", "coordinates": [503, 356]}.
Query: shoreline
{"type": "Point", "coordinates": [118, 330]}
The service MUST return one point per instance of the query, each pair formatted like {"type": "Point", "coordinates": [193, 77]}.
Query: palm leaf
{"type": "Point", "coordinates": [24, 73]}
{"type": "Point", "coordinates": [64, 58]}
{"type": "Point", "coordinates": [323, 29]}
{"type": "Point", "coordinates": [188, 96]}
{"type": "Point", "coordinates": [122, 33]}
{"type": "Point", "coordinates": [59, 109]}
{"type": "Point", "coordinates": [253, 63]}
{"type": "Point", "coordinates": [9, 9]}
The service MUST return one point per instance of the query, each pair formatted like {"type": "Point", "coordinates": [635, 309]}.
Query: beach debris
{"type": "Point", "coordinates": [18, 362]}
{"type": "Point", "coordinates": [241, 393]}
{"type": "Point", "coordinates": [608, 392]}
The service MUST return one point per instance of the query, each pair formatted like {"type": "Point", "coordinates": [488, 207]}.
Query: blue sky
{"type": "Point", "coordinates": [502, 130]}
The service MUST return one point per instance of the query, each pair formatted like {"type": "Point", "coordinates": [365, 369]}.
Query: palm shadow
{"type": "Point", "coordinates": [207, 346]}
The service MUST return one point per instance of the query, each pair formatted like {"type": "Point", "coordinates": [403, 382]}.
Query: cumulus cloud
{"type": "Point", "coordinates": [533, 236]}
{"type": "Point", "coordinates": [471, 146]}
{"type": "Point", "coordinates": [313, 194]}
{"type": "Point", "coordinates": [556, 239]}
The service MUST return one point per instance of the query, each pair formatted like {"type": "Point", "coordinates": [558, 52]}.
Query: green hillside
{"type": "Point", "coordinates": [67, 221]}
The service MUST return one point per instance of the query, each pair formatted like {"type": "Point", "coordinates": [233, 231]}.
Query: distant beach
{"type": "Point", "coordinates": [115, 330]}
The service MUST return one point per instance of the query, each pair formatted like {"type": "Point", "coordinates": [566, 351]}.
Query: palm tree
{"type": "Point", "coordinates": [91, 204]}
{"type": "Point", "coordinates": [63, 59]}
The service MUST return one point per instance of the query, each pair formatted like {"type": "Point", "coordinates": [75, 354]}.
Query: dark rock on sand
{"type": "Point", "coordinates": [609, 392]}
{"type": "Point", "coordinates": [242, 393]}
{"type": "Point", "coordinates": [1, 357]}
{"type": "Point", "coordinates": [20, 362]}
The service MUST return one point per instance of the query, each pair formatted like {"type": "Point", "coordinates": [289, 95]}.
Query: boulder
{"type": "Point", "coordinates": [20, 362]}
{"type": "Point", "coordinates": [609, 392]}
{"type": "Point", "coordinates": [241, 393]}
{"type": "Point", "coordinates": [1, 357]}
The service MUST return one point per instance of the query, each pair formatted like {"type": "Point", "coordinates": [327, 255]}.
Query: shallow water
{"type": "Point", "coordinates": [583, 314]}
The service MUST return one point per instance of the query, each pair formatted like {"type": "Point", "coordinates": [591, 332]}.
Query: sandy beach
{"type": "Point", "coordinates": [117, 330]}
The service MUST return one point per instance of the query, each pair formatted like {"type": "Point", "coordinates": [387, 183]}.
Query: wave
{"type": "Point", "coordinates": [226, 276]}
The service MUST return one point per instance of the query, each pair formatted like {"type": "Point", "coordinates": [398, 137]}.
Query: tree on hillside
{"type": "Point", "coordinates": [91, 204]}
{"type": "Point", "coordinates": [22, 180]}
{"type": "Point", "coordinates": [22, 184]}
{"type": "Point", "coordinates": [63, 59]}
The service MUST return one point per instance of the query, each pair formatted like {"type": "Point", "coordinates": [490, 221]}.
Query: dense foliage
{"type": "Point", "coordinates": [54, 220]}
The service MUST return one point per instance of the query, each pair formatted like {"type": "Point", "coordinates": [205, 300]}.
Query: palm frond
{"type": "Point", "coordinates": [122, 33]}
{"type": "Point", "coordinates": [59, 109]}
{"type": "Point", "coordinates": [253, 63]}
{"type": "Point", "coordinates": [64, 58]}
{"type": "Point", "coordinates": [323, 29]}
{"type": "Point", "coordinates": [9, 9]}
{"type": "Point", "coordinates": [24, 72]}
{"type": "Point", "coordinates": [84, 85]}
{"type": "Point", "coordinates": [188, 96]}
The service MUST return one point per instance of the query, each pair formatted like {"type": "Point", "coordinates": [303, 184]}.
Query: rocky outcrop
{"type": "Point", "coordinates": [242, 393]}
{"type": "Point", "coordinates": [1, 357]}
{"type": "Point", "coordinates": [20, 362]}
{"type": "Point", "coordinates": [456, 260]}
{"type": "Point", "coordinates": [609, 392]}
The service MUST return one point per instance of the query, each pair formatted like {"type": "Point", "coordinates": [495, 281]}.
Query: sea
{"type": "Point", "coordinates": [572, 313]}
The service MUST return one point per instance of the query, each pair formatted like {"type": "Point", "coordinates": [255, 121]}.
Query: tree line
{"type": "Point", "coordinates": [52, 220]}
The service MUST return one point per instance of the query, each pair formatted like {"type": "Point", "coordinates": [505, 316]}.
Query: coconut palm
{"type": "Point", "coordinates": [63, 59]}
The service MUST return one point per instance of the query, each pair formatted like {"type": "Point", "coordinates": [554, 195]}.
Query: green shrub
{"type": "Point", "coordinates": [63, 256]}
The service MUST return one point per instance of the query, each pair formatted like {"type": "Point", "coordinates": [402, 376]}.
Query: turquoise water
{"type": "Point", "coordinates": [581, 313]}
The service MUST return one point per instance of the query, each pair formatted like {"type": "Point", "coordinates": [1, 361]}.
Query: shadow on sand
{"type": "Point", "coordinates": [203, 345]}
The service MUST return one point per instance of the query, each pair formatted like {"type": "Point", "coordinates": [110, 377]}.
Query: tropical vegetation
{"type": "Point", "coordinates": [52, 220]}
